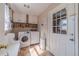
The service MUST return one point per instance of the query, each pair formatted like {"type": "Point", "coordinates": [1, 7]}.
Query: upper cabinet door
{"type": "Point", "coordinates": [19, 17]}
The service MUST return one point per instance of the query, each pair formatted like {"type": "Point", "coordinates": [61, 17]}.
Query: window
{"type": "Point", "coordinates": [60, 22]}
{"type": "Point", "coordinates": [7, 22]}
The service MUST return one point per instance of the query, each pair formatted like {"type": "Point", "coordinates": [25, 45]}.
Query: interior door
{"type": "Point", "coordinates": [71, 36]}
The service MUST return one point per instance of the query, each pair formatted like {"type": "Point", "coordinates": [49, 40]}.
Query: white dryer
{"type": "Point", "coordinates": [24, 38]}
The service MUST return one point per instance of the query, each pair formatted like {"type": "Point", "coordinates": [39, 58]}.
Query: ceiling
{"type": "Point", "coordinates": [35, 8]}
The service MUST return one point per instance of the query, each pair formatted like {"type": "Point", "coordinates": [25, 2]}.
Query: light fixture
{"type": "Point", "coordinates": [27, 15]}
{"type": "Point", "coordinates": [27, 5]}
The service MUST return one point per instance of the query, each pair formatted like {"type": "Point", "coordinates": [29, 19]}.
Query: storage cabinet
{"type": "Point", "coordinates": [34, 37]}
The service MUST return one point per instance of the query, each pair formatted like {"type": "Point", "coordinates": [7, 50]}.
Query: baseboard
{"type": "Point", "coordinates": [34, 44]}
{"type": "Point", "coordinates": [31, 45]}
{"type": "Point", "coordinates": [51, 53]}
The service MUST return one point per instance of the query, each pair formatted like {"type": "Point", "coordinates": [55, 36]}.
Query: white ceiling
{"type": "Point", "coordinates": [35, 8]}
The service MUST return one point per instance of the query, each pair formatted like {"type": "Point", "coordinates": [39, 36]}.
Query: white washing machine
{"type": "Point", "coordinates": [24, 38]}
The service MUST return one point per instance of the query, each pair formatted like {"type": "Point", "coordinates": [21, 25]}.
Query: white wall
{"type": "Point", "coordinates": [43, 19]}
{"type": "Point", "coordinates": [33, 19]}
{"type": "Point", "coordinates": [1, 18]}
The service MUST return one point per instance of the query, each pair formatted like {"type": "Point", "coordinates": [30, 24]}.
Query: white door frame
{"type": "Point", "coordinates": [76, 30]}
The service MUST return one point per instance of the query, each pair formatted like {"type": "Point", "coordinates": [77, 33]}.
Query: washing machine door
{"type": "Point", "coordinates": [25, 41]}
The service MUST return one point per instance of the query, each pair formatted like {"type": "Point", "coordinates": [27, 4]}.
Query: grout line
{"type": "Point", "coordinates": [36, 51]}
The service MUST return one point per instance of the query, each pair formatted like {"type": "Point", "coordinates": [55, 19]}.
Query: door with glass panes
{"type": "Point", "coordinates": [62, 35]}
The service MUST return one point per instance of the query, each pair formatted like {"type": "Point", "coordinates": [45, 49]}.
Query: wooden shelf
{"type": "Point", "coordinates": [20, 26]}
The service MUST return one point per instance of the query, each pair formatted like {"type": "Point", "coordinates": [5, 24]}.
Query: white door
{"type": "Point", "coordinates": [63, 44]}
{"type": "Point", "coordinates": [71, 36]}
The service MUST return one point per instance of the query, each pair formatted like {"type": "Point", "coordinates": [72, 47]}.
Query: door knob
{"type": "Point", "coordinates": [72, 34]}
{"type": "Point", "coordinates": [71, 39]}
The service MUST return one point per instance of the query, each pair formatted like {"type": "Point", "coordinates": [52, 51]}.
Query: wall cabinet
{"type": "Point", "coordinates": [20, 22]}
{"type": "Point", "coordinates": [22, 18]}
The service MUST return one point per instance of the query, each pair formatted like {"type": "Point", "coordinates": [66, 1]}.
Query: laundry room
{"type": "Point", "coordinates": [24, 25]}
{"type": "Point", "coordinates": [39, 29]}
